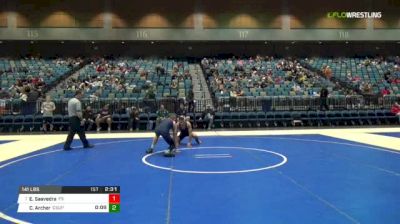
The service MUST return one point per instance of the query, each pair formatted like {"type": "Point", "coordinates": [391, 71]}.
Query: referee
{"type": "Point", "coordinates": [75, 122]}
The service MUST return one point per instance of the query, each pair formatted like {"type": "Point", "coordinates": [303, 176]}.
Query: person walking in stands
{"type": "Point", "coordinates": [323, 97]}
{"type": "Point", "coordinates": [396, 110]}
{"type": "Point", "coordinates": [76, 122]}
{"type": "Point", "coordinates": [47, 109]}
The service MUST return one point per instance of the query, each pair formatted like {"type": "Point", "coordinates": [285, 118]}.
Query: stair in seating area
{"type": "Point", "coordinates": [201, 93]}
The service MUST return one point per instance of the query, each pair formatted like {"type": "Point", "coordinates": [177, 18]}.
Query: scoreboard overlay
{"type": "Point", "coordinates": [69, 199]}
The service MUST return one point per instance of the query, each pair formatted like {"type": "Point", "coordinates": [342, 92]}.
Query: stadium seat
{"type": "Point", "coordinates": [18, 124]}
{"type": "Point", "coordinates": [2, 123]}
{"type": "Point", "coordinates": [28, 123]}
{"type": "Point", "coordinates": [355, 118]}
{"type": "Point", "coordinates": [218, 120]}
{"type": "Point", "coordinates": [322, 119]}
{"type": "Point", "coordinates": [253, 120]}
{"type": "Point", "coordinates": [270, 119]}
{"type": "Point", "coordinates": [261, 119]}
{"type": "Point", "coordinates": [346, 117]}
{"type": "Point", "coordinates": [123, 121]}
{"type": "Point", "coordinates": [143, 120]}
{"type": "Point", "coordinates": [37, 122]}
{"type": "Point", "coordinates": [313, 118]}
{"type": "Point", "coordinates": [65, 123]}
{"type": "Point", "coordinates": [296, 118]}
{"type": "Point", "coordinates": [244, 119]}
{"type": "Point", "coordinates": [58, 122]}
{"type": "Point", "coordinates": [372, 117]}
{"type": "Point", "coordinates": [234, 121]}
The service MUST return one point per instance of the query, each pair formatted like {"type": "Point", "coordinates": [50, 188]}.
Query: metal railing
{"type": "Point", "coordinates": [288, 103]}
{"type": "Point", "coordinates": [237, 104]}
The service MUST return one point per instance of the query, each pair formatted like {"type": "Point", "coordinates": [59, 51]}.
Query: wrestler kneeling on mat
{"type": "Point", "coordinates": [163, 129]}
{"type": "Point", "coordinates": [186, 130]}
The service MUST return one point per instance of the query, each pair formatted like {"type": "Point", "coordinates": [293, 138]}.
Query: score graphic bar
{"type": "Point", "coordinates": [46, 199]}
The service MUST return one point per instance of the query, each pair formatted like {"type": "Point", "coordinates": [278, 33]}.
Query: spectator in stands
{"type": "Point", "coordinates": [104, 117]}
{"type": "Point", "coordinates": [150, 95]}
{"type": "Point", "coordinates": [162, 113]}
{"type": "Point", "coordinates": [323, 97]}
{"type": "Point", "coordinates": [385, 91]}
{"type": "Point", "coordinates": [239, 92]}
{"type": "Point", "coordinates": [327, 71]}
{"type": "Point", "coordinates": [208, 117]}
{"type": "Point", "coordinates": [190, 100]}
{"type": "Point", "coordinates": [48, 107]}
{"type": "Point", "coordinates": [28, 101]}
{"type": "Point", "coordinates": [160, 69]}
{"type": "Point", "coordinates": [396, 110]}
{"type": "Point", "coordinates": [174, 84]}
{"type": "Point", "coordinates": [88, 118]}
{"type": "Point", "coordinates": [133, 118]}
{"type": "Point", "coordinates": [181, 111]}
{"type": "Point", "coordinates": [24, 94]}
{"type": "Point", "coordinates": [4, 94]}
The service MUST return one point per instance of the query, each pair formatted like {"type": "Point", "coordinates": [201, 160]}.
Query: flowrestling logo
{"type": "Point", "coordinates": [355, 15]}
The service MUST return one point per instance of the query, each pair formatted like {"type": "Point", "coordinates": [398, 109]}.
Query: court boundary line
{"type": "Point", "coordinates": [319, 198]}
{"type": "Point", "coordinates": [169, 200]}
{"type": "Point", "coordinates": [322, 141]}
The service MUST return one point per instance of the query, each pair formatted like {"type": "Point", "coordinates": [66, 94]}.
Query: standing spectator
{"type": "Point", "coordinates": [104, 117]}
{"type": "Point", "coordinates": [190, 100]}
{"type": "Point", "coordinates": [323, 97]}
{"type": "Point", "coordinates": [47, 109]}
{"type": "Point", "coordinates": [162, 113]}
{"type": "Point", "coordinates": [88, 118]}
{"type": "Point", "coordinates": [133, 119]}
{"type": "Point", "coordinates": [75, 122]}
{"type": "Point", "coordinates": [396, 110]}
{"type": "Point", "coordinates": [208, 117]}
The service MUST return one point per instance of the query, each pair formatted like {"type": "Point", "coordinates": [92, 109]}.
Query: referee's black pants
{"type": "Point", "coordinates": [75, 128]}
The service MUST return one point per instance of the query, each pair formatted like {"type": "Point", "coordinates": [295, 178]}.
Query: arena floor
{"type": "Point", "coordinates": [267, 176]}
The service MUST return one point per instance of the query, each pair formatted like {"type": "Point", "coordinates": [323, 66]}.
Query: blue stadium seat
{"type": "Point", "coordinates": [28, 122]}
{"type": "Point", "coordinates": [115, 122]}
{"type": "Point", "coordinates": [355, 118]}
{"type": "Point", "coordinates": [253, 120]}
{"type": "Point", "coordinates": [124, 120]}
{"type": "Point", "coordinates": [143, 120]}
{"type": "Point", "coordinates": [346, 117]}
{"type": "Point", "coordinates": [58, 122]}
{"type": "Point", "coordinates": [313, 118]}
{"type": "Point", "coordinates": [270, 119]}
{"type": "Point", "coordinates": [244, 119]}
{"type": "Point", "coordinates": [218, 119]}
{"type": "Point", "coordinates": [18, 123]}
{"type": "Point", "coordinates": [322, 119]}
{"type": "Point", "coordinates": [37, 122]}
